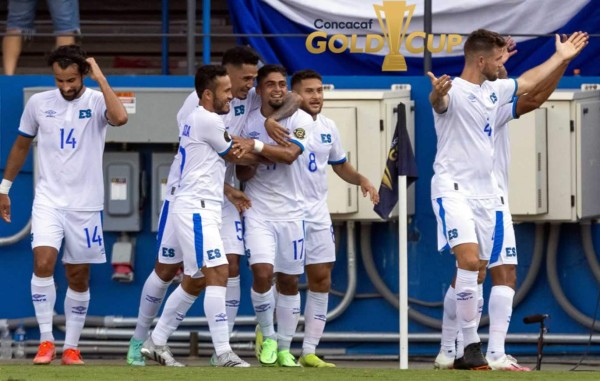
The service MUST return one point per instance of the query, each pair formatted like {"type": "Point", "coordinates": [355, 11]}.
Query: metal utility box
{"type": "Point", "coordinates": [573, 138]}
{"type": "Point", "coordinates": [122, 192]}
{"type": "Point", "coordinates": [366, 120]}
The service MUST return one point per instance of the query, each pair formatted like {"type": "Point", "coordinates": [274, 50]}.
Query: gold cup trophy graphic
{"type": "Point", "coordinates": [391, 16]}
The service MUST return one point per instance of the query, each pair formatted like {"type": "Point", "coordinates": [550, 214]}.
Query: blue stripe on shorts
{"type": "Point", "coordinates": [198, 239]}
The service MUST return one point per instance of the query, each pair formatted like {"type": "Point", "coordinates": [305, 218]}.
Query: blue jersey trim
{"type": "Point", "coordinates": [341, 161]}
{"type": "Point", "coordinates": [25, 135]}
{"type": "Point", "coordinates": [442, 213]}
{"type": "Point", "coordinates": [161, 225]}
{"type": "Point", "coordinates": [498, 237]}
{"type": "Point", "coordinates": [227, 150]}
{"type": "Point", "coordinates": [514, 108]}
{"type": "Point", "coordinates": [198, 239]}
{"type": "Point", "coordinates": [296, 142]}
{"type": "Point", "coordinates": [516, 87]}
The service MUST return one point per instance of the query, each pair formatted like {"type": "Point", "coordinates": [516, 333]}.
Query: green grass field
{"type": "Point", "coordinates": [14, 372]}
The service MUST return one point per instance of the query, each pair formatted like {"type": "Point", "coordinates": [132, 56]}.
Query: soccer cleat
{"type": "Point", "coordinates": [460, 364]}
{"type": "Point", "coordinates": [507, 363]}
{"type": "Point", "coordinates": [45, 354]}
{"type": "Point", "coordinates": [311, 360]}
{"type": "Point", "coordinates": [268, 353]}
{"type": "Point", "coordinates": [473, 358]}
{"type": "Point", "coordinates": [159, 353]}
{"type": "Point", "coordinates": [258, 341]}
{"type": "Point", "coordinates": [443, 362]}
{"type": "Point", "coordinates": [286, 359]}
{"type": "Point", "coordinates": [213, 359]}
{"type": "Point", "coordinates": [71, 356]}
{"type": "Point", "coordinates": [230, 359]}
{"type": "Point", "coordinates": [134, 354]}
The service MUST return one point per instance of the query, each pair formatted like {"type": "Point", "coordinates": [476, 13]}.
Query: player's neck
{"type": "Point", "coordinates": [266, 110]}
{"type": "Point", "coordinates": [472, 74]}
{"type": "Point", "coordinates": [207, 105]}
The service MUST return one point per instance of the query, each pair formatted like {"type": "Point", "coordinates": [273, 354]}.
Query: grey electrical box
{"type": "Point", "coordinates": [122, 192]}
{"type": "Point", "coordinates": [161, 164]}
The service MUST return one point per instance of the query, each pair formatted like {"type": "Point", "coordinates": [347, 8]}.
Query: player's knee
{"type": "Point", "coordinates": [234, 266]}
{"type": "Point", "coordinates": [287, 284]}
{"type": "Point", "coordinates": [262, 277]}
{"type": "Point", "coordinates": [166, 272]}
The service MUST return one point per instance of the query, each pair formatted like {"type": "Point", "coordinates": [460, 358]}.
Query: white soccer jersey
{"type": "Point", "coordinates": [71, 138]}
{"type": "Point", "coordinates": [323, 148]}
{"type": "Point", "coordinates": [504, 114]}
{"type": "Point", "coordinates": [276, 189]}
{"type": "Point", "coordinates": [202, 170]}
{"type": "Point", "coordinates": [464, 160]}
{"type": "Point", "coordinates": [234, 121]}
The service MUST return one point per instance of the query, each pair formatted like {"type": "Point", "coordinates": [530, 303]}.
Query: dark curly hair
{"type": "Point", "coordinates": [482, 40]}
{"type": "Point", "coordinates": [68, 55]}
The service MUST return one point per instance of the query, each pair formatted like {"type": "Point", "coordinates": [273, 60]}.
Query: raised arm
{"type": "Point", "coordinates": [115, 111]}
{"type": "Point", "coordinates": [565, 51]}
{"type": "Point", "coordinates": [534, 99]}
{"type": "Point", "coordinates": [291, 103]}
{"type": "Point", "coordinates": [15, 161]}
{"type": "Point", "coordinates": [438, 97]}
{"type": "Point", "coordinates": [350, 175]}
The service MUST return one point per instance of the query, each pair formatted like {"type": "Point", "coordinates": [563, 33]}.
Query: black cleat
{"type": "Point", "coordinates": [473, 358]}
{"type": "Point", "coordinates": [460, 364]}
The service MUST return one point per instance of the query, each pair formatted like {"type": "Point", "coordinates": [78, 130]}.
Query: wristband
{"type": "Point", "coordinates": [258, 146]}
{"type": "Point", "coordinates": [5, 186]}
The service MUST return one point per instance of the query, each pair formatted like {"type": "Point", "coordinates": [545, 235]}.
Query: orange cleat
{"type": "Point", "coordinates": [71, 357]}
{"type": "Point", "coordinates": [45, 354]}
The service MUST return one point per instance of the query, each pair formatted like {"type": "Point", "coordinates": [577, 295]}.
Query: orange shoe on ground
{"type": "Point", "coordinates": [45, 354]}
{"type": "Point", "coordinates": [71, 357]}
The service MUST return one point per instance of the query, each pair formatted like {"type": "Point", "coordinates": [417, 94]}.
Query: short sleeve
{"type": "Point", "coordinates": [100, 110]}
{"type": "Point", "coordinates": [188, 106]}
{"type": "Point", "coordinates": [254, 100]}
{"type": "Point", "coordinates": [337, 155]}
{"type": "Point", "coordinates": [212, 130]}
{"type": "Point", "coordinates": [29, 125]}
{"type": "Point", "coordinates": [506, 90]}
{"type": "Point", "coordinates": [302, 127]}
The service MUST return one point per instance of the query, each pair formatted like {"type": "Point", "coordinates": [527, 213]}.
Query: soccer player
{"type": "Point", "coordinates": [204, 146]}
{"type": "Point", "coordinates": [241, 64]}
{"type": "Point", "coordinates": [323, 148]}
{"type": "Point", "coordinates": [274, 233]}
{"type": "Point", "coordinates": [464, 190]}
{"type": "Point", "coordinates": [70, 123]}
{"type": "Point", "coordinates": [502, 265]}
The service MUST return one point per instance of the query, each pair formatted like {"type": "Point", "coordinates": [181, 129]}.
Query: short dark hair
{"type": "Point", "coordinates": [68, 55]}
{"type": "Point", "coordinates": [206, 78]}
{"type": "Point", "coordinates": [301, 75]}
{"type": "Point", "coordinates": [240, 55]}
{"type": "Point", "coordinates": [264, 71]}
{"type": "Point", "coordinates": [482, 40]}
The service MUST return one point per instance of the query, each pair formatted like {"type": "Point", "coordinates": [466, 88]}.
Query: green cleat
{"type": "Point", "coordinates": [286, 359]}
{"type": "Point", "coordinates": [258, 341]}
{"type": "Point", "coordinates": [268, 353]}
{"type": "Point", "coordinates": [134, 354]}
{"type": "Point", "coordinates": [311, 360]}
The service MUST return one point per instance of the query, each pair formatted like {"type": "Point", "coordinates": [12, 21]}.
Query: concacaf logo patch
{"type": "Point", "coordinates": [299, 133]}
{"type": "Point", "coordinates": [227, 137]}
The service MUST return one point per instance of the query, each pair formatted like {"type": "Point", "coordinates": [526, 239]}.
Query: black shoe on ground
{"type": "Point", "coordinates": [474, 359]}
{"type": "Point", "coordinates": [460, 364]}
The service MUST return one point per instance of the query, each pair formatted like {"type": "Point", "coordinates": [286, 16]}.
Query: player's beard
{"type": "Point", "coordinates": [221, 108]}
{"type": "Point", "coordinates": [72, 95]}
{"type": "Point", "coordinates": [490, 75]}
{"type": "Point", "coordinates": [276, 104]}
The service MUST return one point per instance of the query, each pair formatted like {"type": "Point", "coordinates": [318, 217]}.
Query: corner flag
{"type": "Point", "coordinates": [400, 162]}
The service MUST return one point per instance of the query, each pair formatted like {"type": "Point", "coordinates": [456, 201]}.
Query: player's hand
{"type": "Point", "coordinates": [95, 72]}
{"type": "Point", "coordinates": [569, 49]}
{"type": "Point", "coordinates": [367, 188]}
{"type": "Point", "coordinates": [509, 50]}
{"type": "Point", "coordinates": [241, 146]}
{"type": "Point", "coordinates": [5, 207]}
{"type": "Point", "coordinates": [238, 199]}
{"type": "Point", "coordinates": [277, 132]}
{"type": "Point", "coordinates": [440, 86]}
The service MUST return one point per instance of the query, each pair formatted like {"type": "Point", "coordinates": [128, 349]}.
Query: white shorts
{"type": "Point", "coordinates": [508, 254]}
{"type": "Point", "coordinates": [231, 230]}
{"type": "Point", "coordinates": [200, 240]}
{"type": "Point", "coordinates": [81, 230]}
{"type": "Point", "coordinates": [167, 246]}
{"type": "Point", "coordinates": [320, 242]}
{"type": "Point", "coordinates": [461, 220]}
{"type": "Point", "coordinates": [279, 243]}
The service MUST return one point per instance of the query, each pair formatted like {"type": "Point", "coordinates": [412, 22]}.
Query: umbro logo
{"type": "Point", "coordinates": [153, 299]}
{"type": "Point", "coordinates": [254, 134]}
{"type": "Point", "coordinates": [79, 310]}
{"type": "Point", "coordinates": [472, 98]}
{"type": "Point", "coordinates": [464, 295]}
{"type": "Point", "coordinates": [38, 297]}
{"type": "Point", "coordinates": [262, 307]}
{"type": "Point", "coordinates": [321, 317]}
{"type": "Point", "coordinates": [50, 113]}
{"type": "Point", "coordinates": [179, 316]}
{"type": "Point", "coordinates": [232, 303]}
{"type": "Point", "coordinates": [220, 317]}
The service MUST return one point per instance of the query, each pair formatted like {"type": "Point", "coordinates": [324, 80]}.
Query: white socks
{"type": "Point", "coordinates": [76, 308]}
{"type": "Point", "coordinates": [288, 313]}
{"type": "Point", "coordinates": [232, 300]}
{"type": "Point", "coordinates": [315, 317]}
{"type": "Point", "coordinates": [214, 308]}
{"type": "Point", "coordinates": [43, 295]}
{"type": "Point", "coordinates": [466, 304]}
{"type": "Point", "coordinates": [449, 324]}
{"type": "Point", "coordinates": [153, 293]}
{"type": "Point", "coordinates": [500, 309]}
{"type": "Point", "coordinates": [263, 308]}
{"type": "Point", "coordinates": [176, 307]}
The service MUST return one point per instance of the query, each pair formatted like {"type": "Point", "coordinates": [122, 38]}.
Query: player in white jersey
{"type": "Point", "coordinates": [204, 146]}
{"type": "Point", "coordinates": [274, 233]}
{"type": "Point", "coordinates": [323, 148]}
{"type": "Point", "coordinates": [464, 191]}
{"type": "Point", "coordinates": [70, 123]}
